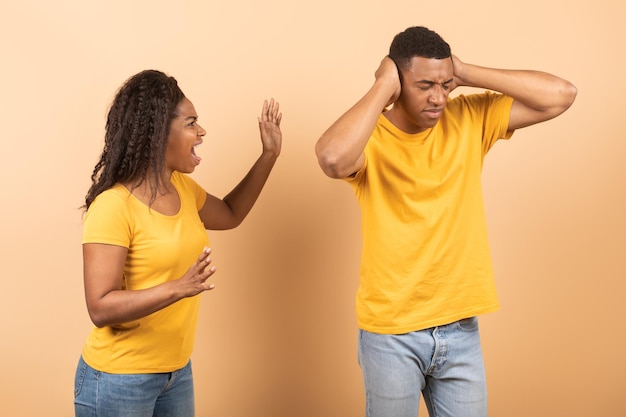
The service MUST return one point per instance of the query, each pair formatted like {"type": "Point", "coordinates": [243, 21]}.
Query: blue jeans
{"type": "Point", "coordinates": [445, 363]}
{"type": "Point", "coordinates": [99, 394]}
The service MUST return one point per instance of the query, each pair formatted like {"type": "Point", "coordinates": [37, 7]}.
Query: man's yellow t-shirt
{"type": "Point", "coordinates": [160, 248]}
{"type": "Point", "coordinates": [425, 258]}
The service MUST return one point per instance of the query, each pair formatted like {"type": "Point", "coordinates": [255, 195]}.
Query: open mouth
{"type": "Point", "coordinates": [196, 158]}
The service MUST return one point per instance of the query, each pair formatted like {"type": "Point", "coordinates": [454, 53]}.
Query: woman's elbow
{"type": "Point", "coordinates": [97, 319]}
{"type": "Point", "coordinates": [99, 315]}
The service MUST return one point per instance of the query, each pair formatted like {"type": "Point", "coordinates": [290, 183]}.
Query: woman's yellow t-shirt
{"type": "Point", "coordinates": [425, 258]}
{"type": "Point", "coordinates": [160, 248]}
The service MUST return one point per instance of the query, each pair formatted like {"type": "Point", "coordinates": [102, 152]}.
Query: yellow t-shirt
{"type": "Point", "coordinates": [160, 248]}
{"type": "Point", "coordinates": [425, 258]}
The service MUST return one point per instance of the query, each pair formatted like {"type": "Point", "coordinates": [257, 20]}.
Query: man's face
{"type": "Point", "coordinates": [426, 85]}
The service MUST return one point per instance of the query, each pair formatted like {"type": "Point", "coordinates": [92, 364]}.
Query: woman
{"type": "Point", "coordinates": [145, 249]}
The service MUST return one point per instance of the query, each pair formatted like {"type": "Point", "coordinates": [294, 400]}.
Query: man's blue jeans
{"type": "Point", "coordinates": [133, 395]}
{"type": "Point", "coordinates": [445, 363]}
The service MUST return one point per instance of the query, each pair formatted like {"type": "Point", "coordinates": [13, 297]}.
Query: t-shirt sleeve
{"type": "Point", "coordinates": [492, 111]}
{"type": "Point", "coordinates": [357, 177]}
{"type": "Point", "coordinates": [107, 221]}
{"type": "Point", "coordinates": [497, 112]}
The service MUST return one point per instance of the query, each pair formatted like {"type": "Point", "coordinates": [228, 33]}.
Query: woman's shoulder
{"type": "Point", "coordinates": [117, 196]}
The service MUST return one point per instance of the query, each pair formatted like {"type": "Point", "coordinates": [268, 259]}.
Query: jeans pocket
{"type": "Point", "coordinates": [81, 370]}
{"type": "Point", "coordinates": [469, 324]}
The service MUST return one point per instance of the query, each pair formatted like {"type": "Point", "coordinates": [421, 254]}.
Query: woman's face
{"type": "Point", "coordinates": [185, 134]}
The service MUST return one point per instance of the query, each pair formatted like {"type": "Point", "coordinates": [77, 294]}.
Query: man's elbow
{"type": "Point", "coordinates": [568, 94]}
{"type": "Point", "coordinates": [564, 97]}
{"type": "Point", "coordinates": [330, 165]}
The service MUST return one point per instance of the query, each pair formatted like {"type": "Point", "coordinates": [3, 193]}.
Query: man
{"type": "Point", "coordinates": [415, 168]}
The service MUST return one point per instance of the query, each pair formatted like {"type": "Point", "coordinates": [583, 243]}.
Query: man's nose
{"type": "Point", "coordinates": [437, 96]}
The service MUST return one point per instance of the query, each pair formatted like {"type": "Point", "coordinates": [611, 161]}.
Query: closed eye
{"type": "Point", "coordinates": [425, 85]}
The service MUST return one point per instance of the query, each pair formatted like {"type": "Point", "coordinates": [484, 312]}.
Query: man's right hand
{"type": "Point", "coordinates": [388, 72]}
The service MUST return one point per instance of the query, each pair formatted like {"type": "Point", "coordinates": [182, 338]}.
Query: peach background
{"type": "Point", "coordinates": [278, 337]}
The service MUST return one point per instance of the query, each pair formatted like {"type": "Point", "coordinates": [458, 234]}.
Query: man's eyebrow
{"type": "Point", "coordinates": [433, 83]}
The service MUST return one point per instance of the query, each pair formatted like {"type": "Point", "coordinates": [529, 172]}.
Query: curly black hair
{"type": "Point", "coordinates": [136, 133]}
{"type": "Point", "coordinates": [417, 41]}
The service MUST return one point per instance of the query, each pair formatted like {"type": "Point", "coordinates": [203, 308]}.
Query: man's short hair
{"type": "Point", "coordinates": [417, 41]}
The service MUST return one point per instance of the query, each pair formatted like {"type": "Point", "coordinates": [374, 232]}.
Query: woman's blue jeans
{"type": "Point", "coordinates": [100, 394]}
{"type": "Point", "coordinates": [444, 363]}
